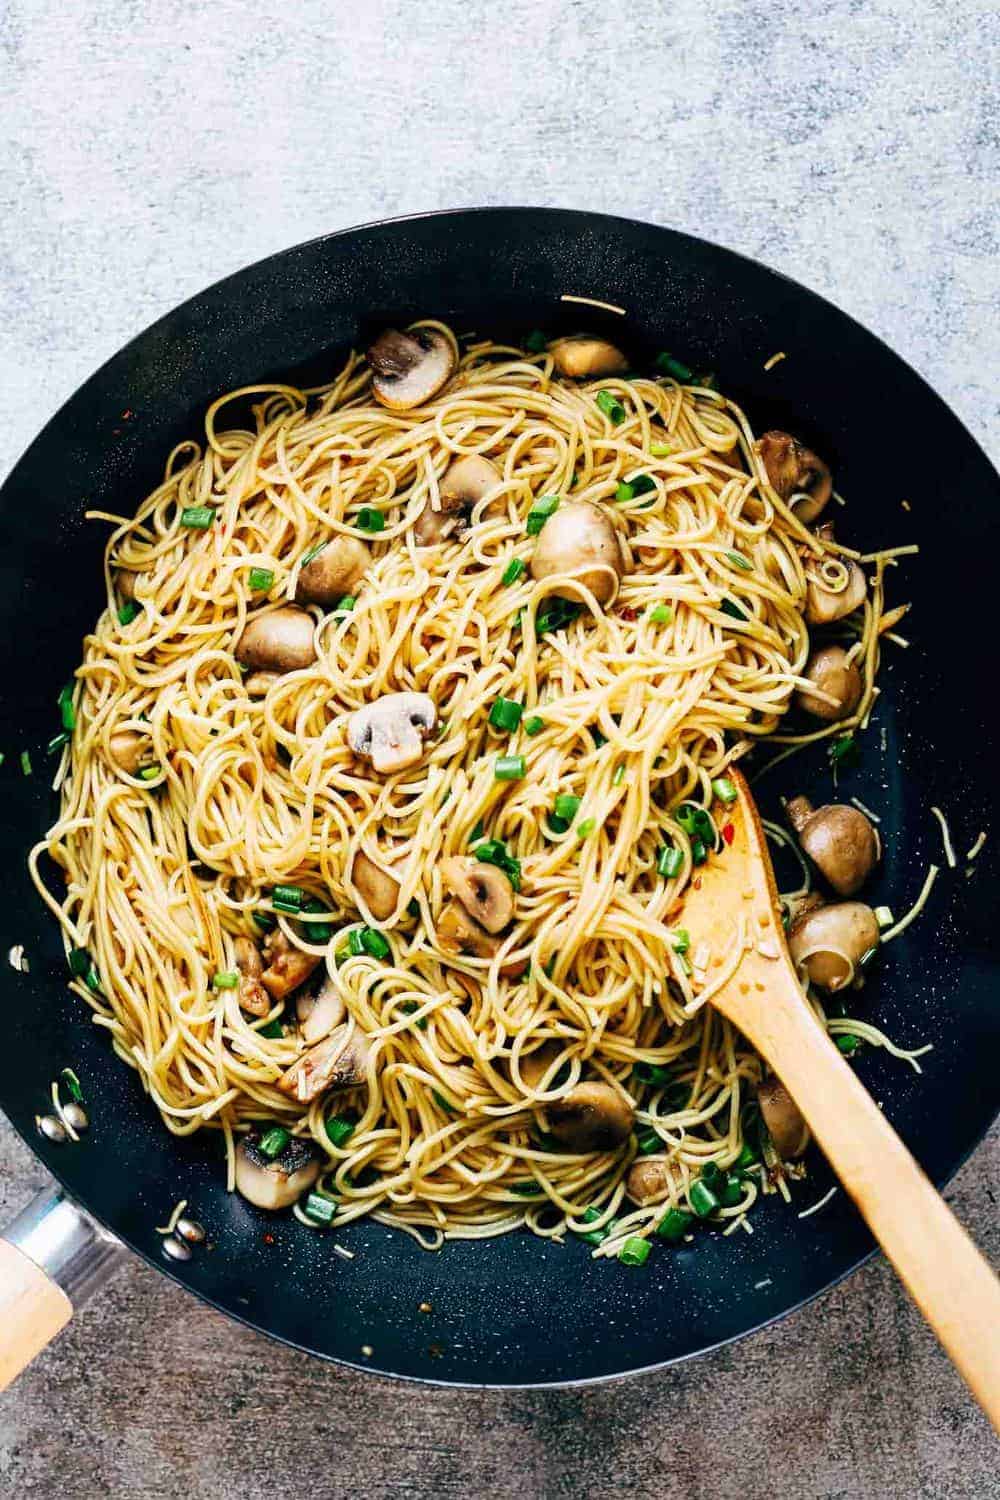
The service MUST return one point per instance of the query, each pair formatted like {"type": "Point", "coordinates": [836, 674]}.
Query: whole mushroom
{"type": "Point", "coordinates": [281, 640]}
{"type": "Point", "coordinates": [275, 1182]}
{"type": "Point", "coordinates": [127, 748]}
{"type": "Point", "coordinates": [376, 886]}
{"type": "Point", "coordinates": [592, 1117]}
{"type": "Point", "coordinates": [483, 889]}
{"type": "Point", "coordinates": [648, 1180]}
{"type": "Point", "coordinates": [793, 469]}
{"type": "Point", "coordinates": [410, 368]}
{"type": "Point", "coordinates": [467, 481]}
{"type": "Point", "coordinates": [836, 590]}
{"type": "Point", "coordinates": [829, 670]}
{"type": "Point", "coordinates": [580, 357]}
{"type": "Point", "coordinates": [580, 541]}
{"type": "Point", "coordinates": [335, 570]}
{"type": "Point", "coordinates": [391, 731]}
{"type": "Point", "coordinates": [829, 942]}
{"type": "Point", "coordinates": [457, 933]}
{"type": "Point", "coordinates": [781, 1115]}
{"type": "Point", "coordinates": [839, 839]}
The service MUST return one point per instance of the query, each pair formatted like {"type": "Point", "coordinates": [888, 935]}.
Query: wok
{"type": "Point", "coordinates": [516, 1310]}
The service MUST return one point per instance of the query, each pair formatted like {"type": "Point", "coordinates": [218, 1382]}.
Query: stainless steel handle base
{"type": "Point", "coordinates": [63, 1240]}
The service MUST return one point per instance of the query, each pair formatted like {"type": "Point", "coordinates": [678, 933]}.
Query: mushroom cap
{"type": "Point", "coordinates": [458, 933]}
{"type": "Point", "coordinates": [319, 1010]}
{"type": "Point", "coordinates": [483, 890]}
{"type": "Point", "coordinates": [839, 840]}
{"type": "Point", "coordinates": [592, 1117]}
{"type": "Point", "coordinates": [391, 731]}
{"type": "Point", "coordinates": [648, 1180]}
{"type": "Point", "coordinates": [127, 748]}
{"type": "Point", "coordinates": [336, 570]}
{"type": "Point", "coordinates": [464, 483]}
{"type": "Point", "coordinates": [275, 1184]}
{"type": "Point", "coordinates": [828, 942]}
{"type": "Point", "coordinates": [793, 469]}
{"type": "Point", "coordinates": [409, 368]}
{"type": "Point", "coordinates": [579, 357]}
{"type": "Point", "coordinates": [287, 966]}
{"type": "Point", "coordinates": [579, 541]}
{"type": "Point", "coordinates": [824, 606]}
{"type": "Point", "coordinates": [338, 1062]}
{"type": "Point", "coordinates": [376, 886]}
{"type": "Point", "coordinates": [788, 1130]}
{"type": "Point", "coordinates": [259, 684]}
{"type": "Point", "coordinates": [533, 1066]}
{"type": "Point", "coordinates": [280, 640]}
{"type": "Point", "coordinates": [830, 670]}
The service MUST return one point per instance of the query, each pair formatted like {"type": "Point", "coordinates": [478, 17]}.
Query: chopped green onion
{"type": "Point", "coordinates": [539, 513]}
{"type": "Point", "coordinates": [642, 484]}
{"type": "Point", "coordinates": [374, 944]}
{"type": "Point", "coordinates": [680, 939]}
{"type": "Point", "coordinates": [739, 561]}
{"type": "Point", "coordinates": [730, 1190]}
{"type": "Point", "coordinates": [536, 342]}
{"type": "Point", "coordinates": [80, 963]}
{"type": "Point", "coordinates": [57, 741]}
{"type": "Point", "coordinates": [261, 579]}
{"type": "Point", "coordinates": [525, 1189]}
{"type": "Point", "coordinates": [289, 896]}
{"type": "Point", "coordinates": [732, 609]}
{"type": "Point", "coordinates": [624, 492]}
{"type": "Point", "coordinates": [648, 1141]}
{"type": "Point", "coordinates": [69, 1078]}
{"type": "Point", "coordinates": [645, 1072]}
{"type": "Point", "coordinates": [703, 1200]}
{"type": "Point", "coordinates": [477, 832]}
{"type": "Point", "coordinates": [559, 612]}
{"type": "Point", "coordinates": [843, 751]}
{"type": "Point", "coordinates": [316, 932]}
{"type": "Point", "coordinates": [674, 367]}
{"type": "Point", "coordinates": [566, 806]}
{"type": "Point", "coordinates": [274, 1030]}
{"type": "Point", "coordinates": [619, 775]}
{"type": "Point", "coordinates": [369, 519]}
{"type": "Point", "coordinates": [557, 824]}
{"type": "Point", "coordinates": [884, 917]}
{"type": "Point", "coordinates": [354, 945]}
{"type": "Point", "coordinates": [847, 1043]}
{"type": "Point", "coordinates": [313, 552]}
{"type": "Point", "coordinates": [724, 789]}
{"type": "Point", "coordinates": [345, 605]}
{"type": "Point", "coordinates": [748, 1157]}
{"type": "Point", "coordinates": [534, 725]}
{"type": "Point", "coordinates": [699, 852]}
{"type": "Point", "coordinates": [321, 1210]}
{"type": "Point", "coordinates": [443, 1103]}
{"type": "Point", "coordinates": [66, 710]}
{"type": "Point", "coordinates": [660, 450]}
{"type": "Point", "coordinates": [586, 828]}
{"type": "Point", "coordinates": [506, 714]}
{"type": "Point", "coordinates": [695, 822]}
{"type": "Point", "coordinates": [128, 612]}
{"type": "Point", "coordinates": [227, 980]}
{"type": "Point", "coordinates": [494, 852]}
{"type": "Point", "coordinates": [274, 1141]}
{"type": "Point", "coordinates": [339, 1129]}
{"type": "Point", "coordinates": [661, 614]}
{"type": "Point", "coordinates": [634, 1252]}
{"type": "Point", "coordinates": [675, 1224]}
{"type": "Point", "coordinates": [669, 862]}
{"type": "Point", "coordinates": [25, 763]}
{"type": "Point", "coordinates": [263, 920]}
{"type": "Point", "coordinates": [149, 773]}
{"type": "Point", "coordinates": [593, 1236]}
{"type": "Point", "coordinates": [408, 1007]}
{"type": "Point", "coordinates": [509, 767]}
{"type": "Point", "coordinates": [711, 1172]}
{"type": "Point", "coordinates": [413, 907]}
{"type": "Point", "coordinates": [611, 407]}
{"type": "Point", "coordinates": [197, 517]}
{"type": "Point", "coordinates": [513, 571]}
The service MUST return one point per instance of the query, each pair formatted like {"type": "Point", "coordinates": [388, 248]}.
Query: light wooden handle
{"type": "Point", "coordinates": [950, 1281]}
{"type": "Point", "coordinates": [32, 1311]}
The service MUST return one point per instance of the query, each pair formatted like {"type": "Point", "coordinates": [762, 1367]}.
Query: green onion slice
{"type": "Point", "coordinates": [514, 570]}
{"type": "Point", "coordinates": [506, 714]}
{"type": "Point", "coordinates": [544, 506]}
{"type": "Point", "coordinates": [674, 367]}
{"type": "Point", "coordinates": [369, 519]}
{"type": "Point", "coordinates": [661, 614]}
{"type": "Point", "coordinates": [261, 579]}
{"type": "Point", "coordinates": [566, 806]}
{"type": "Point", "coordinates": [197, 517]}
{"type": "Point", "coordinates": [536, 342]}
{"type": "Point", "coordinates": [669, 862]}
{"type": "Point", "coordinates": [634, 1252]}
{"type": "Point", "coordinates": [509, 767]}
{"type": "Point", "coordinates": [274, 1141]}
{"type": "Point", "coordinates": [703, 1200]}
{"type": "Point", "coordinates": [319, 1208]}
{"type": "Point", "coordinates": [339, 1129]}
{"type": "Point", "coordinates": [534, 725]}
{"type": "Point", "coordinates": [128, 612]}
{"type": "Point", "coordinates": [72, 1083]}
{"type": "Point", "coordinates": [228, 980]}
{"type": "Point", "coordinates": [724, 789]}
{"type": "Point", "coordinates": [675, 1224]}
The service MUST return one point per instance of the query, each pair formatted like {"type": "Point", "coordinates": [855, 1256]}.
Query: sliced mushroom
{"type": "Point", "coordinates": [275, 1184]}
{"type": "Point", "coordinates": [391, 731]}
{"type": "Point", "coordinates": [830, 671]}
{"type": "Point", "coordinates": [793, 469]}
{"type": "Point", "coordinates": [839, 840]}
{"type": "Point", "coordinates": [338, 1062]}
{"type": "Point", "coordinates": [287, 966]}
{"type": "Point", "coordinates": [279, 641]}
{"type": "Point", "coordinates": [319, 1009]}
{"type": "Point", "coordinates": [580, 357]}
{"type": "Point", "coordinates": [336, 570]}
{"type": "Point", "coordinates": [533, 1066]}
{"type": "Point", "coordinates": [259, 684]}
{"type": "Point", "coordinates": [125, 583]}
{"type": "Point", "coordinates": [828, 943]}
{"type": "Point", "coordinates": [127, 748]}
{"type": "Point", "coordinates": [825, 605]}
{"type": "Point", "coordinates": [410, 368]}
{"type": "Point", "coordinates": [592, 1117]}
{"type": "Point", "coordinates": [252, 995]}
{"type": "Point", "coordinates": [458, 933]}
{"type": "Point", "coordinates": [467, 481]}
{"type": "Point", "coordinates": [378, 889]}
{"type": "Point", "coordinates": [483, 890]}
{"type": "Point", "coordinates": [648, 1180]}
{"type": "Point", "coordinates": [788, 1130]}
{"type": "Point", "coordinates": [579, 541]}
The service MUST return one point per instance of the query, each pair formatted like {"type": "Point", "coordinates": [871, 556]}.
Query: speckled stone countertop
{"type": "Point", "coordinates": [147, 149]}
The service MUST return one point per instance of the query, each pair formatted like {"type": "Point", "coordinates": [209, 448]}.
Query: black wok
{"type": "Point", "coordinates": [518, 1311]}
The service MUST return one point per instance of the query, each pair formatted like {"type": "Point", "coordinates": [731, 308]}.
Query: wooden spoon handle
{"type": "Point", "coordinates": [950, 1281]}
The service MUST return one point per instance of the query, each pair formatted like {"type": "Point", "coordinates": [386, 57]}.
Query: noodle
{"type": "Point", "coordinates": [165, 867]}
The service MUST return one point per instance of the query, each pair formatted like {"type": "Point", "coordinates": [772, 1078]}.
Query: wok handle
{"type": "Point", "coordinates": [52, 1257]}
{"type": "Point", "coordinates": [950, 1281]}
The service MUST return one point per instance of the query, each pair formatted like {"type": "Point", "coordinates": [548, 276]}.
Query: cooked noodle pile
{"type": "Point", "coordinates": [643, 701]}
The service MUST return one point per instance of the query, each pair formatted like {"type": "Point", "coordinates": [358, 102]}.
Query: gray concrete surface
{"type": "Point", "coordinates": [148, 147]}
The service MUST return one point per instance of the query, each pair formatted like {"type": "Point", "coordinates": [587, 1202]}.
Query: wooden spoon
{"type": "Point", "coordinates": [732, 913]}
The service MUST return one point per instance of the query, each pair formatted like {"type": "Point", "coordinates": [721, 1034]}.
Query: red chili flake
{"type": "Point", "coordinates": [696, 882]}
{"type": "Point", "coordinates": [729, 833]}
{"type": "Point", "coordinates": [127, 413]}
{"type": "Point", "coordinates": [628, 613]}
{"type": "Point", "coordinates": [268, 1239]}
